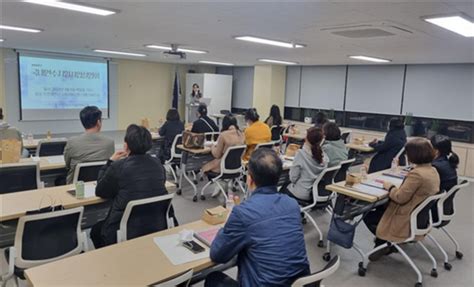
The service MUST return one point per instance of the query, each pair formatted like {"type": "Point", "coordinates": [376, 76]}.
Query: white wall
{"type": "Point", "coordinates": [219, 87]}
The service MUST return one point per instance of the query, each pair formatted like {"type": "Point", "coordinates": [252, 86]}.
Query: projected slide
{"type": "Point", "coordinates": [53, 88]}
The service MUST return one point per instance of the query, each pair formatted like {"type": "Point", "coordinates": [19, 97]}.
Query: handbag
{"type": "Point", "coordinates": [341, 232]}
{"type": "Point", "coordinates": [193, 140]}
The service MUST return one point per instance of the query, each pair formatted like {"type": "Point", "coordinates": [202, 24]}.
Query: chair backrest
{"type": "Point", "coordinates": [421, 221]}
{"type": "Point", "coordinates": [16, 177]}
{"type": "Point", "coordinates": [401, 156]}
{"type": "Point", "coordinates": [144, 216]}
{"type": "Point", "coordinates": [346, 136]}
{"type": "Point", "coordinates": [276, 132]}
{"type": "Point", "coordinates": [265, 145]}
{"type": "Point", "coordinates": [316, 278]}
{"type": "Point", "coordinates": [231, 162]}
{"type": "Point", "coordinates": [320, 181]}
{"type": "Point", "coordinates": [328, 178]}
{"type": "Point", "coordinates": [51, 147]}
{"type": "Point", "coordinates": [445, 206]}
{"type": "Point", "coordinates": [157, 147]}
{"type": "Point", "coordinates": [211, 136]}
{"type": "Point", "coordinates": [87, 171]}
{"type": "Point", "coordinates": [224, 112]}
{"type": "Point", "coordinates": [345, 165]}
{"type": "Point", "coordinates": [176, 281]}
{"type": "Point", "coordinates": [45, 237]}
{"type": "Point", "coordinates": [176, 152]}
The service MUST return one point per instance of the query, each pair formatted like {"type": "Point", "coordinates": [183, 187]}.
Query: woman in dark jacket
{"type": "Point", "coordinates": [172, 127]}
{"type": "Point", "coordinates": [204, 124]}
{"type": "Point", "coordinates": [446, 162]}
{"type": "Point", "coordinates": [387, 149]}
{"type": "Point", "coordinates": [130, 174]}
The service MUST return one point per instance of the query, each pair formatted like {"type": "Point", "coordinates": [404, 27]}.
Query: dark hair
{"type": "Point", "coordinates": [265, 167]}
{"type": "Point", "coordinates": [315, 136]}
{"type": "Point", "coordinates": [321, 119]}
{"type": "Point", "coordinates": [419, 151]}
{"type": "Point", "coordinates": [442, 144]}
{"type": "Point", "coordinates": [90, 115]}
{"type": "Point", "coordinates": [228, 121]}
{"type": "Point", "coordinates": [395, 124]}
{"type": "Point", "coordinates": [1, 113]}
{"type": "Point", "coordinates": [199, 92]}
{"type": "Point", "coordinates": [252, 115]}
{"type": "Point", "coordinates": [276, 115]}
{"type": "Point", "coordinates": [331, 131]}
{"type": "Point", "coordinates": [138, 139]}
{"type": "Point", "coordinates": [172, 115]}
{"type": "Point", "coordinates": [202, 110]}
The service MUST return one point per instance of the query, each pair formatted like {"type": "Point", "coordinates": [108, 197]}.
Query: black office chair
{"type": "Point", "coordinates": [314, 280]}
{"type": "Point", "coordinates": [145, 216]}
{"type": "Point", "coordinates": [87, 171]}
{"type": "Point", "coordinates": [51, 147]}
{"type": "Point", "coordinates": [265, 145]}
{"type": "Point", "coordinates": [341, 173]}
{"type": "Point", "coordinates": [346, 136]}
{"type": "Point", "coordinates": [45, 237]}
{"type": "Point", "coordinates": [231, 169]}
{"type": "Point", "coordinates": [276, 133]}
{"type": "Point", "coordinates": [173, 163]}
{"type": "Point", "coordinates": [157, 149]}
{"type": "Point", "coordinates": [19, 177]}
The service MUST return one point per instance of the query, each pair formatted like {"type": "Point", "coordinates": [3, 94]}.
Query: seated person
{"type": "Point", "coordinates": [230, 136]}
{"type": "Point", "coordinates": [204, 124]}
{"type": "Point", "coordinates": [267, 256]}
{"type": "Point", "coordinates": [387, 149]}
{"type": "Point", "coordinates": [255, 133]}
{"type": "Point", "coordinates": [169, 130]}
{"type": "Point", "coordinates": [129, 174]}
{"type": "Point", "coordinates": [446, 162]}
{"type": "Point", "coordinates": [309, 162]}
{"type": "Point", "coordinates": [333, 145]}
{"type": "Point", "coordinates": [275, 120]}
{"type": "Point", "coordinates": [8, 132]}
{"type": "Point", "coordinates": [391, 222]}
{"type": "Point", "coordinates": [321, 119]}
{"type": "Point", "coordinates": [91, 145]}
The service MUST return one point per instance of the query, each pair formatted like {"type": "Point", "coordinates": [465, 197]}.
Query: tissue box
{"type": "Point", "coordinates": [215, 215]}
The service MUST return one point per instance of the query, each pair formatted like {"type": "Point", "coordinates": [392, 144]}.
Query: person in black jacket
{"type": "Point", "coordinates": [172, 127]}
{"type": "Point", "coordinates": [204, 124]}
{"type": "Point", "coordinates": [446, 162]}
{"type": "Point", "coordinates": [387, 149]}
{"type": "Point", "coordinates": [129, 174]}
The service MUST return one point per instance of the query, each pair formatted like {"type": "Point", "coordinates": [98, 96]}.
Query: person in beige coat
{"type": "Point", "coordinates": [392, 222]}
{"type": "Point", "coordinates": [230, 136]}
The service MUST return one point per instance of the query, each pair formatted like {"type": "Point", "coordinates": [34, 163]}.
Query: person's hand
{"type": "Point", "coordinates": [387, 185]}
{"type": "Point", "coordinates": [118, 155]}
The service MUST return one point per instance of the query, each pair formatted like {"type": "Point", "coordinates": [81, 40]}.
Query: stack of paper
{"type": "Point", "coordinates": [367, 189]}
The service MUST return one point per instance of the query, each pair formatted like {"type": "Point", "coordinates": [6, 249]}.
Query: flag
{"type": "Point", "coordinates": [176, 90]}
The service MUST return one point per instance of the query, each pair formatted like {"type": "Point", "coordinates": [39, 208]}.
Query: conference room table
{"type": "Point", "coordinates": [136, 262]}
{"type": "Point", "coordinates": [352, 202]}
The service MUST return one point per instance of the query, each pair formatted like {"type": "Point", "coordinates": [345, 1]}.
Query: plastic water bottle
{"type": "Point", "coordinates": [80, 190]}
{"type": "Point", "coordinates": [30, 138]}
{"type": "Point", "coordinates": [363, 172]}
{"type": "Point", "coordinates": [229, 204]}
{"type": "Point", "coordinates": [394, 165]}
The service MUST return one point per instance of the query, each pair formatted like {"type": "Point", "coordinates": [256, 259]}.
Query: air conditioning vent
{"type": "Point", "coordinates": [364, 33]}
{"type": "Point", "coordinates": [369, 30]}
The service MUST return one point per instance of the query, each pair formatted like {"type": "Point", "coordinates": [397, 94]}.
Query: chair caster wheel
{"type": "Point", "coordinates": [447, 266]}
{"type": "Point", "coordinates": [418, 284]}
{"type": "Point", "coordinates": [434, 273]}
{"type": "Point", "coordinates": [195, 181]}
{"type": "Point", "coordinates": [459, 255]}
{"type": "Point", "coordinates": [195, 198]}
{"type": "Point", "coordinates": [203, 197]}
{"type": "Point", "coordinates": [179, 192]}
{"type": "Point", "coordinates": [321, 244]}
{"type": "Point", "coordinates": [327, 256]}
{"type": "Point", "coordinates": [361, 271]}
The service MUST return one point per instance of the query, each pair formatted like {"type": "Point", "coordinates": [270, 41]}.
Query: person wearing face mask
{"type": "Point", "coordinates": [267, 256]}
{"type": "Point", "coordinates": [130, 174]}
{"type": "Point", "coordinates": [387, 149]}
{"type": "Point", "coordinates": [255, 133]}
{"type": "Point", "coordinates": [391, 222]}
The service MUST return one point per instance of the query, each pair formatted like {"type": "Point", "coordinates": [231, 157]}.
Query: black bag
{"type": "Point", "coordinates": [341, 232]}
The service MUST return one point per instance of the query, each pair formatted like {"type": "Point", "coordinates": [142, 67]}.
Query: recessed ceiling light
{"type": "Point", "coordinates": [167, 48]}
{"type": "Point", "coordinates": [370, 59]}
{"type": "Point", "coordinates": [269, 42]}
{"type": "Point", "coordinates": [73, 7]}
{"type": "Point", "coordinates": [456, 24]}
{"type": "Point", "coordinates": [119, 53]}
{"type": "Point", "coordinates": [20, 29]}
{"type": "Point", "coordinates": [278, 62]}
{"type": "Point", "coordinates": [216, 63]}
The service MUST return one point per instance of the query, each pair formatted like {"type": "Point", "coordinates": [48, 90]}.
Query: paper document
{"type": "Point", "coordinates": [175, 252]}
{"type": "Point", "coordinates": [89, 190]}
{"type": "Point", "coordinates": [375, 191]}
{"type": "Point", "coordinates": [55, 159]}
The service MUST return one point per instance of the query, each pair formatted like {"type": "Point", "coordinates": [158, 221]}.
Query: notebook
{"type": "Point", "coordinates": [397, 174]}
{"type": "Point", "coordinates": [367, 189]}
{"type": "Point", "coordinates": [207, 236]}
